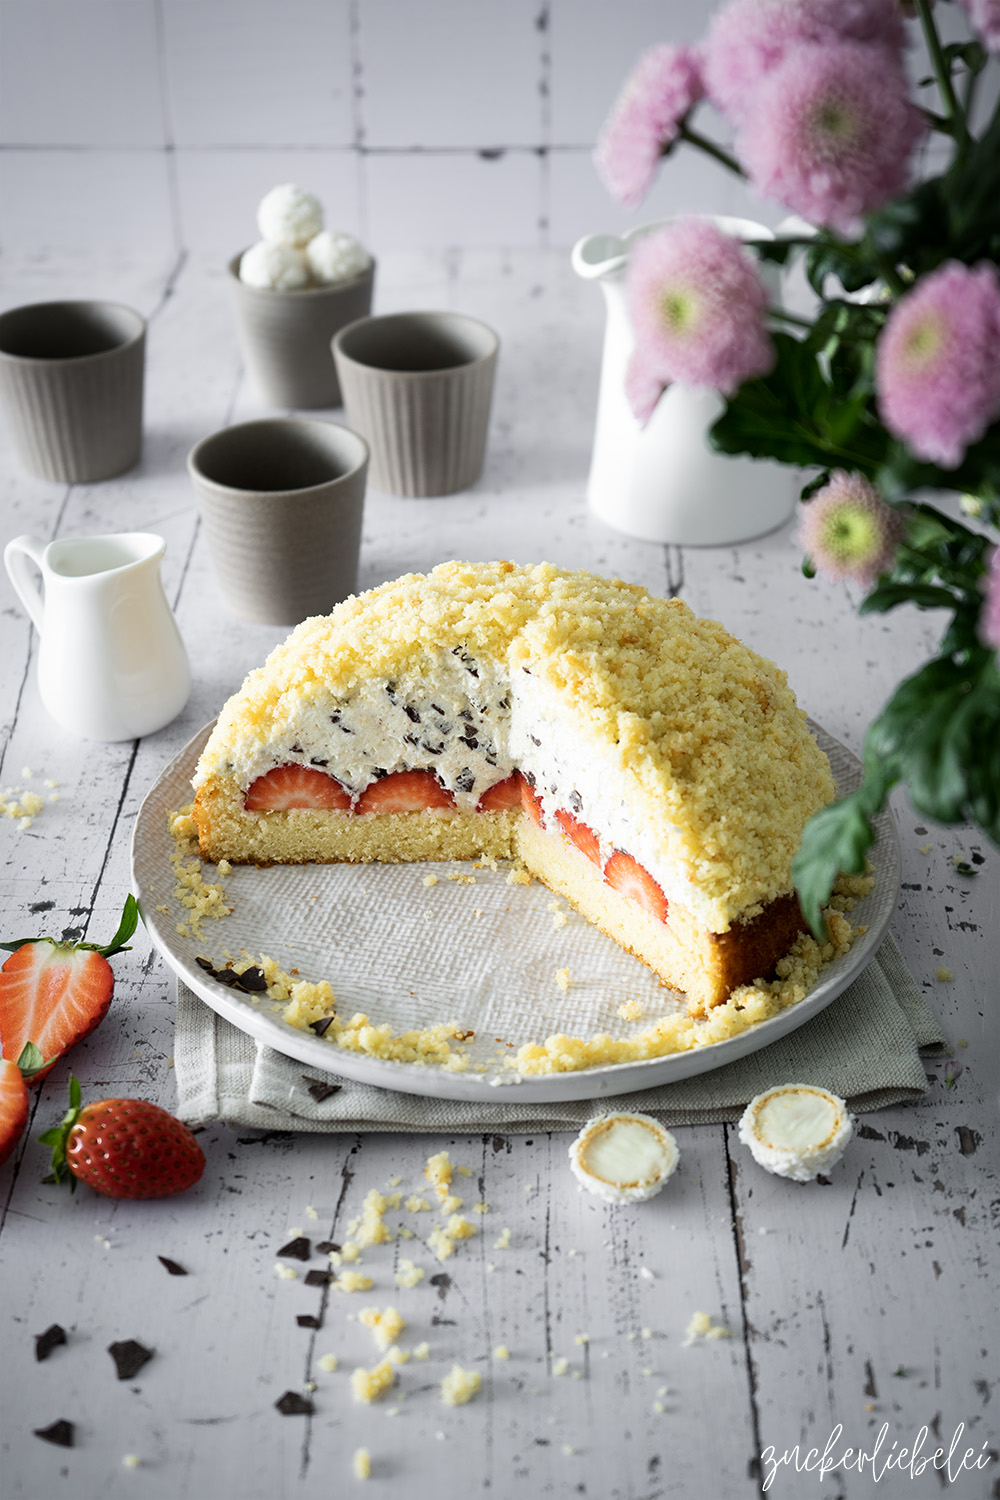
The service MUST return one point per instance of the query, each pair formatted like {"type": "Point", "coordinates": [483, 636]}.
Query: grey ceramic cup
{"type": "Point", "coordinates": [418, 387]}
{"type": "Point", "coordinates": [71, 376]}
{"type": "Point", "coordinates": [281, 501]}
{"type": "Point", "coordinates": [285, 336]}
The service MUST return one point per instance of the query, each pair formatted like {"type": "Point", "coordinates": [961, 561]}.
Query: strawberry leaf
{"type": "Point", "coordinates": [126, 927]}
{"type": "Point", "coordinates": [31, 1061]}
{"type": "Point", "coordinates": [57, 1137]}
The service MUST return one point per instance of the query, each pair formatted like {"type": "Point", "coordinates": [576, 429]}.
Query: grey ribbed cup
{"type": "Point", "coordinates": [418, 387]}
{"type": "Point", "coordinates": [285, 336]}
{"type": "Point", "coordinates": [281, 501]}
{"type": "Point", "coordinates": [71, 378]}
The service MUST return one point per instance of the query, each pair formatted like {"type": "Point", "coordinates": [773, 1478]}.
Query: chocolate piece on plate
{"type": "Point", "coordinates": [60, 1433]}
{"type": "Point", "coordinates": [129, 1357]}
{"type": "Point", "coordinates": [318, 1278]}
{"type": "Point", "coordinates": [306, 1320]}
{"type": "Point", "coordinates": [171, 1265]}
{"type": "Point", "coordinates": [297, 1249]}
{"type": "Point", "coordinates": [325, 1246]}
{"type": "Point", "coordinates": [49, 1340]}
{"type": "Point", "coordinates": [291, 1404]}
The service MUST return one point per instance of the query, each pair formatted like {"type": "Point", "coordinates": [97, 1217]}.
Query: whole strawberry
{"type": "Point", "coordinates": [124, 1148]}
{"type": "Point", "coordinates": [53, 994]}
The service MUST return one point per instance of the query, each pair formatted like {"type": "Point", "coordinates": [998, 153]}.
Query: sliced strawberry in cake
{"type": "Point", "coordinates": [405, 791]}
{"type": "Point", "coordinates": [293, 786]}
{"type": "Point", "coordinates": [578, 833]}
{"type": "Point", "coordinates": [502, 796]}
{"type": "Point", "coordinates": [627, 876]}
{"type": "Point", "coordinates": [532, 805]}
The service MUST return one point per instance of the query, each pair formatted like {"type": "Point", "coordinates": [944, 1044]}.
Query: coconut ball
{"type": "Point", "coordinates": [336, 257]}
{"type": "Point", "coordinates": [289, 216]}
{"type": "Point", "coordinates": [279, 268]}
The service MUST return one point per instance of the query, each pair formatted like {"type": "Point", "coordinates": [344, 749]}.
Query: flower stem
{"type": "Point", "coordinates": [952, 108]}
{"type": "Point", "coordinates": [787, 317]}
{"type": "Point", "coordinates": [695, 138]}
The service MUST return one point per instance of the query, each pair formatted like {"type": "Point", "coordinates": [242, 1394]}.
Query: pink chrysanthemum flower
{"type": "Point", "coordinates": [848, 531]}
{"type": "Point", "coordinates": [937, 362]}
{"type": "Point", "coordinates": [989, 620]}
{"type": "Point", "coordinates": [644, 123]}
{"type": "Point", "coordinates": [985, 17]}
{"type": "Point", "coordinates": [698, 309]}
{"type": "Point", "coordinates": [831, 133]}
{"type": "Point", "coordinates": [749, 38]}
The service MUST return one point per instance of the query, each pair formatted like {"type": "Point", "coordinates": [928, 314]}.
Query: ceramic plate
{"type": "Point", "coordinates": [469, 949]}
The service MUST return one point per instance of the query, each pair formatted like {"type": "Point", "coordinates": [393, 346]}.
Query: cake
{"type": "Point", "coordinates": [638, 760]}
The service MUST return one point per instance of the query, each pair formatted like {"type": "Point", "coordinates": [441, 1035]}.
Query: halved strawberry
{"type": "Point", "coordinates": [579, 834]}
{"type": "Point", "coordinates": [627, 876]}
{"type": "Point", "coordinates": [404, 791]}
{"type": "Point", "coordinates": [503, 795]}
{"type": "Point", "coordinates": [531, 804]}
{"type": "Point", "coordinates": [13, 1107]}
{"type": "Point", "coordinates": [54, 994]}
{"type": "Point", "coordinates": [295, 786]}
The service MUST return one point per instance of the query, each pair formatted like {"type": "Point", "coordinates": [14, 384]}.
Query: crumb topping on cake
{"type": "Point", "coordinates": [694, 723]}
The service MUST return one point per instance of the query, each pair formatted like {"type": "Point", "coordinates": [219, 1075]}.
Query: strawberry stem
{"type": "Point", "coordinates": [59, 1134]}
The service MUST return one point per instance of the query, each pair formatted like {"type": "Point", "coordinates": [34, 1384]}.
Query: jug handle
{"type": "Point", "coordinates": [17, 556]}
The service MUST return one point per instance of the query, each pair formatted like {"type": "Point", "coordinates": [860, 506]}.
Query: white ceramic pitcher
{"type": "Point", "coordinates": [663, 483]}
{"type": "Point", "coordinates": [111, 665]}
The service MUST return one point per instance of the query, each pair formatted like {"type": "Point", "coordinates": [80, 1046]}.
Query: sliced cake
{"type": "Point", "coordinates": [640, 761]}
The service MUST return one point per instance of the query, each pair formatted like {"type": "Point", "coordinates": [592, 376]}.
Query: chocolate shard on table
{"type": "Point", "coordinates": [129, 1357]}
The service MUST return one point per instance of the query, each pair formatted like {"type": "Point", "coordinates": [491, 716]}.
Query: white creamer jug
{"type": "Point", "coordinates": [111, 664]}
{"type": "Point", "coordinates": [664, 483]}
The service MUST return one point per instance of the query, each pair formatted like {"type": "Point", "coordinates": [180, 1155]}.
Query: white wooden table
{"type": "Point", "coordinates": [870, 1301]}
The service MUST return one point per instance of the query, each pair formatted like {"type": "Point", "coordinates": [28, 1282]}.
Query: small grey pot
{"type": "Point", "coordinates": [281, 501]}
{"type": "Point", "coordinates": [418, 387]}
{"type": "Point", "coordinates": [285, 336]}
{"type": "Point", "coordinates": [71, 379]}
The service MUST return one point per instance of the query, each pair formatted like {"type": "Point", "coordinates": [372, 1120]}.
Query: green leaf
{"type": "Point", "coordinates": [835, 839]}
{"type": "Point", "coordinates": [57, 1137]}
{"type": "Point", "coordinates": [126, 927]}
{"type": "Point", "coordinates": [31, 1061]}
{"type": "Point", "coordinates": [888, 594]}
{"type": "Point", "coordinates": [941, 731]}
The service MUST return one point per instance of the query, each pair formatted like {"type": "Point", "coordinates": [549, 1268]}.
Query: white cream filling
{"type": "Point", "coordinates": [466, 721]}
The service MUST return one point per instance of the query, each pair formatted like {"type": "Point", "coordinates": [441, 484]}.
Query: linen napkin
{"type": "Point", "coordinates": [866, 1046]}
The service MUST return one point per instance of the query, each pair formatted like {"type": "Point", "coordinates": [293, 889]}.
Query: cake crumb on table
{"type": "Point", "coordinates": [459, 1386]}
{"type": "Point", "coordinates": [368, 1385]}
{"type": "Point", "coordinates": [502, 1242]}
{"type": "Point", "coordinates": [362, 1464]}
{"type": "Point", "coordinates": [562, 979]}
{"type": "Point", "coordinates": [501, 1352]}
{"type": "Point", "coordinates": [386, 1325]}
{"type": "Point", "coordinates": [352, 1281]}
{"type": "Point", "coordinates": [408, 1274]}
{"type": "Point", "coordinates": [328, 1362]}
{"type": "Point", "coordinates": [702, 1327]}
